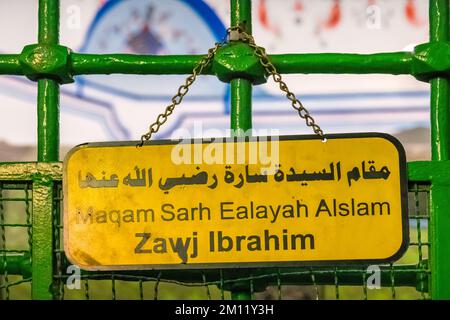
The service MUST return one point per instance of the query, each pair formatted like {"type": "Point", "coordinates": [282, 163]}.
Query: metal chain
{"type": "Point", "coordinates": [271, 70]}
{"type": "Point", "coordinates": [260, 52]}
{"type": "Point", "coordinates": [182, 91]}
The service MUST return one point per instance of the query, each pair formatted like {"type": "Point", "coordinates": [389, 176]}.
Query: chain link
{"type": "Point", "coordinates": [269, 68]}
{"type": "Point", "coordinates": [182, 91]}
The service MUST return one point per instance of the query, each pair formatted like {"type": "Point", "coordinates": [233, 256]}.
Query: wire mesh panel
{"type": "Point", "coordinates": [15, 240]}
{"type": "Point", "coordinates": [405, 279]}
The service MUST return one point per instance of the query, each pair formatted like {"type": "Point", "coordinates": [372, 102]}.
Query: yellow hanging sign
{"type": "Point", "coordinates": [263, 201]}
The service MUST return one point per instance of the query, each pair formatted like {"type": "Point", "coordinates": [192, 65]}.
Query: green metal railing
{"type": "Point", "coordinates": [33, 264]}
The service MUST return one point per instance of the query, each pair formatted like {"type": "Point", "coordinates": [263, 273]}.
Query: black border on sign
{"type": "Point", "coordinates": [244, 265]}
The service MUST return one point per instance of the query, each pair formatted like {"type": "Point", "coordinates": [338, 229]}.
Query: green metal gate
{"type": "Point", "coordinates": [32, 261]}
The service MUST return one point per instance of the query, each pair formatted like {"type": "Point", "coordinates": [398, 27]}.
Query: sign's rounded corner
{"type": "Point", "coordinates": [72, 151]}
{"type": "Point", "coordinates": [70, 258]}
{"type": "Point", "coordinates": [73, 261]}
{"type": "Point", "coordinates": [394, 141]}
{"type": "Point", "coordinates": [401, 250]}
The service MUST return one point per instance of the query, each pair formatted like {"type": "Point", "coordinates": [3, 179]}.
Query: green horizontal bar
{"type": "Point", "coordinates": [317, 63]}
{"type": "Point", "coordinates": [388, 63]}
{"type": "Point", "coordinates": [27, 171]}
{"type": "Point", "coordinates": [9, 64]}
{"type": "Point", "coordinates": [48, 120]}
{"type": "Point", "coordinates": [338, 63]}
{"type": "Point", "coordinates": [16, 264]}
{"type": "Point", "coordinates": [436, 172]}
{"type": "Point", "coordinates": [134, 64]}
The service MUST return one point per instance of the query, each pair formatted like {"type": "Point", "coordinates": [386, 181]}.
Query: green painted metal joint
{"type": "Point", "coordinates": [47, 61]}
{"type": "Point", "coordinates": [237, 60]}
{"type": "Point", "coordinates": [431, 60]}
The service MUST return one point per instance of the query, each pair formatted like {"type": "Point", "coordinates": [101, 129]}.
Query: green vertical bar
{"type": "Point", "coordinates": [48, 120]}
{"type": "Point", "coordinates": [241, 89]}
{"type": "Point", "coordinates": [241, 14]}
{"type": "Point", "coordinates": [48, 32]}
{"type": "Point", "coordinates": [241, 105]}
{"type": "Point", "coordinates": [48, 150]}
{"type": "Point", "coordinates": [439, 108]}
{"type": "Point", "coordinates": [48, 90]}
{"type": "Point", "coordinates": [241, 98]}
{"type": "Point", "coordinates": [440, 150]}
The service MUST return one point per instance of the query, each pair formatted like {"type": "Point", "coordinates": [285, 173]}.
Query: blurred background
{"type": "Point", "coordinates": [120, 107]}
